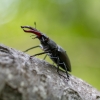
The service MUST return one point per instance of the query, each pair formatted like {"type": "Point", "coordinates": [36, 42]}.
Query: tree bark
{"type": "Point", "coordinates": [25, 78]}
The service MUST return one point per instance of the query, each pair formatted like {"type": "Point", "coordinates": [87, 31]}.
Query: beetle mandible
{"type": "Point", "coordinates": [50, 48]}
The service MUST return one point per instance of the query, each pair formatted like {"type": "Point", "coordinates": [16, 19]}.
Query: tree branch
{"type": "Point", "coordinates": [22, 78]}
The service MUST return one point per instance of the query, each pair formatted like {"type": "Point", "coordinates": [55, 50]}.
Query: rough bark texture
{"type": "Point", "coordinates": [22, 78]}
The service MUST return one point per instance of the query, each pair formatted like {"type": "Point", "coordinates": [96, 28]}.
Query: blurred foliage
{"type": "Point", "coordinates": [73, 24]}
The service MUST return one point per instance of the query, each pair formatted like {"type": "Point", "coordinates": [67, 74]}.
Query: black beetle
{"type": "Point", "coordinates": [50, 48]}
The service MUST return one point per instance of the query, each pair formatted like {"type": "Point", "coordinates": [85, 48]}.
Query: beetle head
{"type": "Point", "coordinates": [32, 30]}
{"type": "Point", "coordinates": [38, 34]}
{"type": "Point", "coordinates": [44, 39]}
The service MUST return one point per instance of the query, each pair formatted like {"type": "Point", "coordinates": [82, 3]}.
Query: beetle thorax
{"type": "Point", "coordinates": [49, 45]}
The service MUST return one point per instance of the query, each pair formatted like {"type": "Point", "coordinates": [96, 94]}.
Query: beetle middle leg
{"type": "Point", "coordinates": [40, 53]}
{"type": "Point", "coordinates": [57, 63]}
{"type": "Point", "coordinates": [31, 48]}
{"type": "Point", "coordinates": [45, 57]}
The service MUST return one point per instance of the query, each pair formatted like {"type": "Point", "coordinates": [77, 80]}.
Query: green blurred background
{"type": "Point", "coordinates": [73, 24]}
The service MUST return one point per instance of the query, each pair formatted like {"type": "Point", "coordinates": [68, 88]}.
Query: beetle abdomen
{"type": "Point", "coordinates": [63, 57]}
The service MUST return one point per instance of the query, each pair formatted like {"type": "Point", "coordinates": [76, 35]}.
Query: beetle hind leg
{"type": "Point", "coordinates": [58, 63]}
{"type": "Point", "coordinates": [66, 70]}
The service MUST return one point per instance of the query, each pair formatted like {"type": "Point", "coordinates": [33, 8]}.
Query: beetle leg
{"type": "Point", "coordinates": [39, 54]}
{"type": "Point", "coordinates": [66, 70]}
{"type": "Point", "coordinates": [58, 67]}
{"type": "Point", "coordinates": [45, 57]}
{"type": "Point", "coordinates": [58, 63]}
{"type": "Point", "coordinates": [53, 58]}
{"type": "Point", "coordinates": [31, 48]}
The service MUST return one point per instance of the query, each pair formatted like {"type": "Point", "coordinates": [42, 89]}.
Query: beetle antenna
{"type": "Point", "coordinates": [35, 28]}
{"type": "Point", "coordinates": [35, 24]}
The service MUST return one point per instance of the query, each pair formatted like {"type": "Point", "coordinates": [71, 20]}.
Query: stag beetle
{"type": "Point", "coordinates": [50, 48]}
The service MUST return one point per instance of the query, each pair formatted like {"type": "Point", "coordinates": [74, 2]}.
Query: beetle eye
{"type": "Point", "coordinates": [46, 40]}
